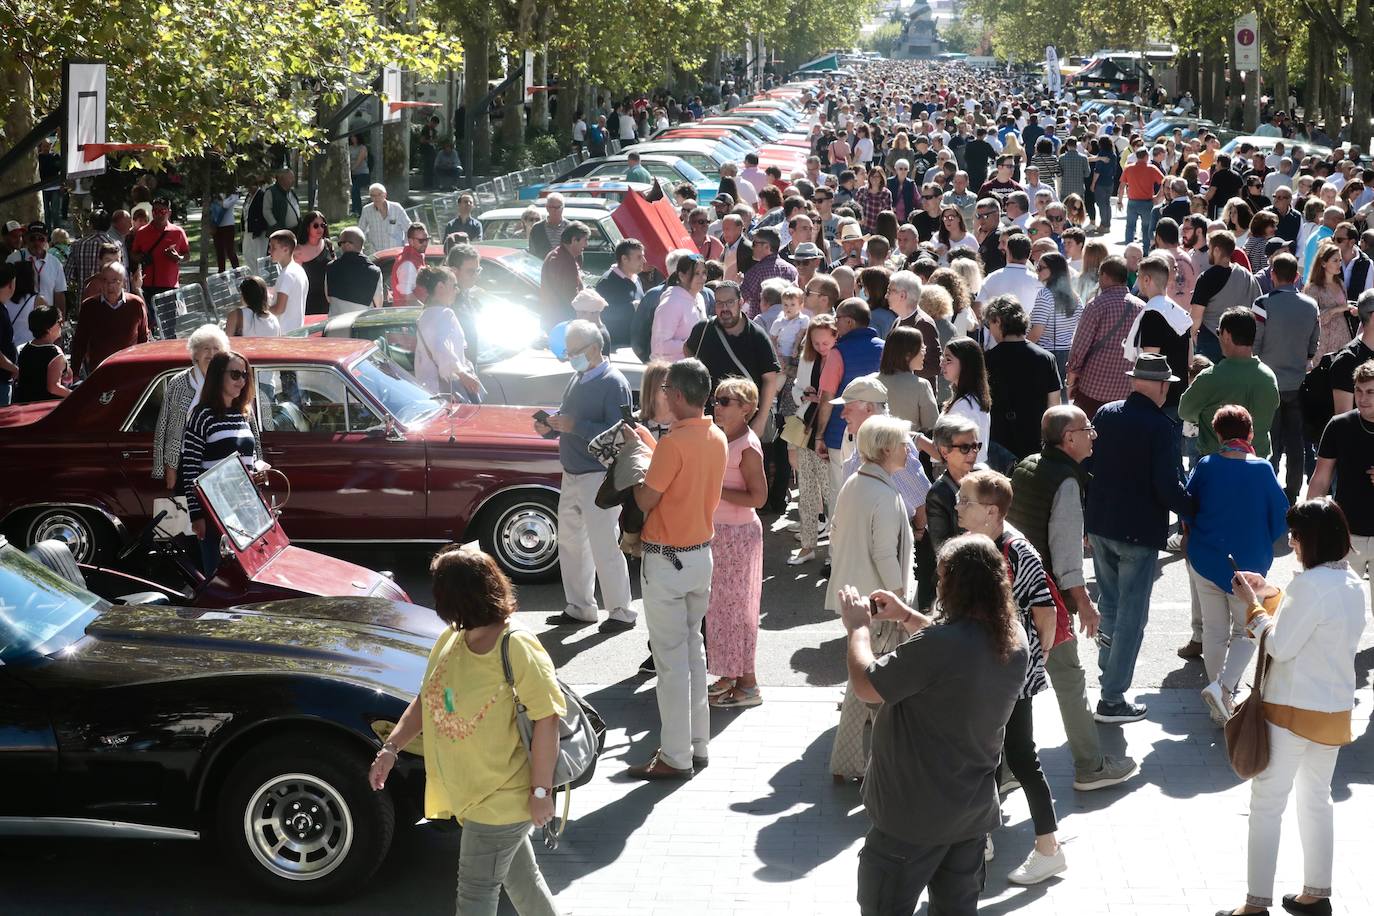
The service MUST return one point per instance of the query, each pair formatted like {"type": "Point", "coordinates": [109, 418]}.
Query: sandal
{"type": "Point", "coordinates": [721, 687]}
{"type": "Point", "coordinates": [800, 557]}
{"type": "Point", "coordinates": [737, 698]}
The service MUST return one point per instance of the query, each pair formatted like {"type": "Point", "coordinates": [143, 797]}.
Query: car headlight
{"type": "Point", "coordinates": [386, 587]}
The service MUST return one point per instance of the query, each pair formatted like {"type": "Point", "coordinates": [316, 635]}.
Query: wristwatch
{"type": "Point", "coordinates": [539, 792]}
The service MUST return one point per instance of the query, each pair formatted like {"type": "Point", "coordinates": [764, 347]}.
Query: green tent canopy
{"type": "Point", "coordinates": [828, 62]}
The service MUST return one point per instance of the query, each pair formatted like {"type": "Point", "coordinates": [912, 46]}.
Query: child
{"type": "Point", "coordinates": [44, 373]}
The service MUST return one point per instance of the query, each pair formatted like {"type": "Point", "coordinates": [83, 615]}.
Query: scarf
{"type": "Point", "coordinates": [1238, 445]}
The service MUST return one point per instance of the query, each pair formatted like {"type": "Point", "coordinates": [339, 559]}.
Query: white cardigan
{"type": "Point", "coordinates": [1313, 638]}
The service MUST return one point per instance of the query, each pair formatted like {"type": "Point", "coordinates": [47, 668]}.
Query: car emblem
{"type": "Point", "coordinates": [114, 740]}
{"type": "Point", "coordinates": [106, 397]}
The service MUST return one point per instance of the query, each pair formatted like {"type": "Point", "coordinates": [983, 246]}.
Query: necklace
{"type": "Point", "coordinates": [1363, 425]}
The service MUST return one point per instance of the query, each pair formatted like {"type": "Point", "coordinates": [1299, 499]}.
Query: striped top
{"type": "Point", "coordinates": [1029, 589]}
{"type": "Point", "coordinates": [1058, 333]}
{"type": "Point", "coordinates": [208, 440]}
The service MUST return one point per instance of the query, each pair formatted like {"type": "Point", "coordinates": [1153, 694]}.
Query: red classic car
{"type": "Point", "coordinates": [370, 456]}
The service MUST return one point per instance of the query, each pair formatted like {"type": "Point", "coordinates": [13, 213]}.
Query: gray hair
{"type": "Point", "coordinates": [908, 282]}
{"type": "Point", "coordinates": [1056, 422]}
{"type": "Point", "coordinates": [118, 268]}
{"type": "Point", "coordinates": [352, 236]}
{"type": "Point", "coordinates": [950, 425]}
{"type": "Point", "coordinates": [554, 197]}
{"type": "Point", "coordinates": [583, 332]}
{"type": "Point", "coordinates": [677, 254]}
{"type": "Point", "coordinates": [691, 379]}
{"type": "Point", "coordinates": [880, 434]}
{"type": "Point", "coordinates": [375, 187]}
{"type": "Point", "coordinates": [204, 335]}
{"type": "Point", "coordinates": [902, 164]}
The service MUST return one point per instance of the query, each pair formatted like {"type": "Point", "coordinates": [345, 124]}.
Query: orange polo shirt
{"type": "Point", "coordinates": [687, 468]}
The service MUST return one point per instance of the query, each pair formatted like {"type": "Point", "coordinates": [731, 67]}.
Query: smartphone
{"type": "Point", "coordinates": [542, 416]}
{"type": "Point", "coordinates": [1234, 567]}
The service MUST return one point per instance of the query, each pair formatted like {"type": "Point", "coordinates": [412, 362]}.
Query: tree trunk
{"type": "Point", "coordinates": [1252, 100]}
{"type": "Point", "coordinates": [1315, 92]}
{"type": "Point", "coordinates": [539, 104]}
{"type": "Point", "coordinates": [333, 180]}
{"type": "Point", "coordinates": [396, 149]}
{"type": "Point", "coordinates": [1334, 87]}
{"type": "Point", "coordinates": [207, 226]}
{"type": "Point", "coordinates": [570, 92]}
{"type": "Point", "coordinates": [513, 123]}
{"type": "Point", "coordinates": [1235, 92]}
{"type": "Point", "coordinates": [1278, 74]}
{"type": "Point", "coordinates": [1211, 98]}
{"type": "Point", "coordinates": [17, 87]}
{"type": "Point", "coordinates": [476, 79]}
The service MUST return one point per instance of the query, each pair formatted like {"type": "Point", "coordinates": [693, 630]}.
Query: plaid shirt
{"type": "Point", "coordinates": [85, 258]}
{"type": "Point", "coordinates": [873, 203]}
{"type": "Point", "coordinates": [1096, 359]}
{"type": "Point", "coordinates": [1074, 169]}
{"type": "Point", "coordinates": [769, 267]}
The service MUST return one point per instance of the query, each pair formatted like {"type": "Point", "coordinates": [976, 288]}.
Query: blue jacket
{"type": "Point", "coordinates": [862, 352]}
{"type": "Point", "coordinates": [1135, 474]}
{"type": "Point", "coordinates": [1241, 511]}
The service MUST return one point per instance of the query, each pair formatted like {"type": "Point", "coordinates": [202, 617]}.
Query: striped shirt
{"type": "Point", "coordinates": [1029, 589]}
{"type": "Point", "coordinates": [1058, 333]}
{"type": "Point", "coordinates": [208, 440]}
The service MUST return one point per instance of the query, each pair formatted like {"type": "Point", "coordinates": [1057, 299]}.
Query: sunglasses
{"type": "Point", "coordinates": [701, 222]}
{"type": "Point", "coordinates": [726, 401]}
{"type": "Point", "coordinates": [237, 375]}
{"type": "Point", "coordinates": [966, 448]}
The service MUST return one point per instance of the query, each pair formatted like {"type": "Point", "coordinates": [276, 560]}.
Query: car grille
{"type": "Point", "coordinates": [386, 588]}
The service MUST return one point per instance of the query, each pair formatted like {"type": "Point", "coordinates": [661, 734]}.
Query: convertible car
{"type": "Point", "coordinates": [254, 725]}
{"type": "Point", "coordinates": [370, 455]}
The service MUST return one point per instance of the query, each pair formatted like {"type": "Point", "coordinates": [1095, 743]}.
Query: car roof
{"type": "Point", "coordinates": [256, 349]}
{"type": "Point", "coordinates": [595, 214]}
{"type": "Point", "coordinates": [493, 252]}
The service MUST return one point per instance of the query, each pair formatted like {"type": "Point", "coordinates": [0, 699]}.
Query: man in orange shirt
{"type": "Point", "coordinates": [1140, 184]}
{"type": "Point", "coordinates": [678, 497]}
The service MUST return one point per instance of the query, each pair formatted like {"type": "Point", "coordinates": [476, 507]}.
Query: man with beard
{"type": "Point", "coordinates": [728, 343]}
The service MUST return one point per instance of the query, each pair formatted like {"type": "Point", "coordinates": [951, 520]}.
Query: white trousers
{"type": "Point", "coordinates": [836, 481]}
{"type": "Point", "coordinates": [675, 603]}
{"type": "Point", "coordinates": [589, 549]}
{"type": "Point", "coordinates": [1225, 649]}
{"type": "Point", "coordinates": [254, 249]}
{"type": "Point", "coordinates": [1361, 557]}
{"type": "Point", "coordinates": [1310, 765]}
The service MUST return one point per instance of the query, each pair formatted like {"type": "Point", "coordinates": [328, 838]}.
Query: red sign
{"type": "Point", "coordinates": [1245, 37]}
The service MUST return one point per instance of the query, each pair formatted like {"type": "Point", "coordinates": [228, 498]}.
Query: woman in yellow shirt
{"type": "Point", "coordinates": [476, 768]}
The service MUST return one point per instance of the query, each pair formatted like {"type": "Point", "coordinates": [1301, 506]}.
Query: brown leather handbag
{"type": "Point", "coordinates": [1247, 731]}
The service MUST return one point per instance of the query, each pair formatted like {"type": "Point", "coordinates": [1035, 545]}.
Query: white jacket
{"type": "Point", "coordinates": [1313, 639]}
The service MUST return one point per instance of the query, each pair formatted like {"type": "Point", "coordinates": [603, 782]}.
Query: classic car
{"type": "Point", "coordinates": [671, 169]}
{"type": "Point", "coordinates": [254, 725]}
{"type": "Point", "coordinates": [258, 562]}
{"type": "Point", "coordinates": [502, 226]}
{"type": "Point", "coordinates": [1294, 148]}
{"type": "Point", "coordinates": [706, 155]}
{"type": "Point", "coordinates": [508, 272]}
{"type": "Point", "coordinates": [513, 369]}
{"type": "Point", "coordinates": [370, 455]}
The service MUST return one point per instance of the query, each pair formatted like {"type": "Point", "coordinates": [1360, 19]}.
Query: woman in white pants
{"type": "Point", "coordinates": [1309, 689]}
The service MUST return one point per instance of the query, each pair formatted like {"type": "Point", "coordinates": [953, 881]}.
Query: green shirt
{"type": "Point", "coordinates": [1236, 380]}
{"type": "Point", "coordinates": [639, 173]}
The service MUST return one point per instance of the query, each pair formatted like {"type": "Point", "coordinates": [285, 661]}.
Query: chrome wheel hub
{"type": "Point", "coordinates": [298, 826]}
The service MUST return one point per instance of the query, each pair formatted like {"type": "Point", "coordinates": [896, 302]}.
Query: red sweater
{"type": "Point", "coordinates": [102, 331]}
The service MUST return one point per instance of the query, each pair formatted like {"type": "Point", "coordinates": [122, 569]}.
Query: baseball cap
{"type": "Point", "coordinates": [38, 228]}
{"type": "Point", "coordinates": [13, 226]}
{"type": "Point", "coordinates": [1275, 245]}
{"type": "Point", "coordinates": [868, 388]}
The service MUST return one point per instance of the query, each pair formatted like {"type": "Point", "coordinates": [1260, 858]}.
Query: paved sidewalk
{"type": "Point", "coordinates": [763, 830]}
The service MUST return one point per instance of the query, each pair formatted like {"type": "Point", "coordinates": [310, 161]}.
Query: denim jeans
{"type": "Point", "coordinates": [492, 856]}
{"type": "Point", "coordinates": [1286, 438]}
{"type": "Point", "coordinates": [1103, 195]}
{"type": "Point", "coordinates": [359, 181]}
{"type": "Point", "coordinates": [893, 873]}
{"type": "Point", "coordinates": [1139, 210]}
{"type": "Point", "coordinates": [1125, 578]}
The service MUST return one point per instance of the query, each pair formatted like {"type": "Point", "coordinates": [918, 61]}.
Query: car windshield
{"type": "Point", "coordinates": [524, 265]}
{"type": "Point", "coordinates": [396, 389]}
{"type": "Point", "coordinates": [235, 501]}
{"type": "Point", "coordinates": [40, 611]}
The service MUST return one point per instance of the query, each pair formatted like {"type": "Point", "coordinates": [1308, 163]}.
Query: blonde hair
{"type": "Point", "coordinates": [741, 389]}
{"type": "Point", "coordinates": [936, 301]}
{"type": "Point", "coordinates": [881, 434]}
{"type": "Point", "coordinates": [969, 271]}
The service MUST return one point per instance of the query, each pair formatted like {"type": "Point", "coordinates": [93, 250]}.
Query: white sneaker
{"type": "Point", "coordinates": [1218, 704]}
{"type": "Point", "coordinates": [988, 851]}
{"type": "Point", "coordinates": [1175, 542]}
{"type": "Point", "coordinates": [1039, 867]}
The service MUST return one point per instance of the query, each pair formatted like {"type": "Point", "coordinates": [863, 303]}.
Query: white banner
{"type": "Point", "coordinates": [1247, 42]}
{"type": "Point", "coordinates": [1052, 75]}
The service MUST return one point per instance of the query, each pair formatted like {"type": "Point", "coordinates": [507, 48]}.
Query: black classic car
{"type": "Point", "coordinates": [253, 726]}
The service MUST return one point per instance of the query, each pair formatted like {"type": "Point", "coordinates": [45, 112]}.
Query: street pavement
{"type": "Point", "coordinates": [763, 829]}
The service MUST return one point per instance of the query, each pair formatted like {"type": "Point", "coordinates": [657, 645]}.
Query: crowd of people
{"type": "Point", "coordinates": [923, 341]}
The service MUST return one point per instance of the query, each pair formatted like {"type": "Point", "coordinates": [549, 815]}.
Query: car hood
{"type": "Point", "coordinates": [376, 643]}
{"type": "Point", "coordinates": [24, 414]}
{"type": "Point", "coordinates": [487, 424]}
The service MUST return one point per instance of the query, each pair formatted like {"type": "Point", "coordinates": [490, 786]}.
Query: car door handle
{"type": "Point", "coordinates": [135, 453]}
{"type": "Point", "coordinates": [275, 451]}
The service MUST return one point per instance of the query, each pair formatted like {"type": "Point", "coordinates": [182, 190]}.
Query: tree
{"type": "Point", "coordinates": [965, 35]}
{"type": "Point", "coordinates": [884, 38]}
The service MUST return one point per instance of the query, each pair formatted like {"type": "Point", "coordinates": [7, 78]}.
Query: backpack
{"type": "Point", "coordinates": [1314, 397]}
{"type": "Point", "coordinates": [254, 223]}
{"type": "Point", "coordinates": [642, 327]}
{"type": "Point", "coordinates": [581, 739]}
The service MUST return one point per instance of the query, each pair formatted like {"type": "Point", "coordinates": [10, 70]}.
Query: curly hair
{"type": "Point", "coordinates": [973, 585]}
{"type": "Point", "coordinates": [470, 590]}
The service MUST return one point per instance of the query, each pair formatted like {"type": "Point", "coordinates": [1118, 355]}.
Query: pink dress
{"type": "Point", "coordinates": [732, 616]}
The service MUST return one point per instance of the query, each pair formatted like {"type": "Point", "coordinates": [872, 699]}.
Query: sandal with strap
{"type": "Point", "coordinates": [738, 697]}
{"type": "Point", "coordinates": [721, 687]}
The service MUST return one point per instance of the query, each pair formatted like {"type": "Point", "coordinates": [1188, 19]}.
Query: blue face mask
{"type": "Point", "coordinates": [580, 363]}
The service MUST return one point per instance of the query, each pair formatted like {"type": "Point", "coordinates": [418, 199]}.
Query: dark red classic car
{"type": "Point", "coordinates": [370, 456]}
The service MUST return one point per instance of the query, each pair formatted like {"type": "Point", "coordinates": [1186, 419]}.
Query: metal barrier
{"type": "Point", "coordinates": [485, 194]}
{"type": "Point", "coordinates": [180, 311]}
{"type": "Point", "coordinates": [547, 171]}
{"type": "Point", "coordinates": [268, 270]}
{"type": "Point", "coordinates": [223, 291]}
{"type": "Point", "coordinates": [444, 208]}
{"type": "Point", "coordinates": [502, 187]}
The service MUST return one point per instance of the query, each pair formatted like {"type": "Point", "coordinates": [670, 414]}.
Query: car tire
{"type": "Point", "coordinates": [520, 530]}
{"type": "Point", "coordinates": [89, 538]}
{"type": "Point", "coordinates": [300, 820]}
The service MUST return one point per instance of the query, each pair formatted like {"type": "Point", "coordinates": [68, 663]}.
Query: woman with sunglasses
{"type": "Point", "coordinates": [314, 252]}
{"type": "Point", "coordinates": [222, 424]}
{"type": "Point", "coordinates": [954, 233]}
{"type": "Point", "coordinates": [1253, 194]}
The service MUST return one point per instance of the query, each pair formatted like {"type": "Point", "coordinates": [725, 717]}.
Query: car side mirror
{"type": "Point", "coordinates": [391, 432]}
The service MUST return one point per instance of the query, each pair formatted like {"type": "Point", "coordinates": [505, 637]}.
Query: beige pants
{"type": "Point", "coordinates": [849, 756]}
{"type": "Point", "coordinates": [1361, 557]}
